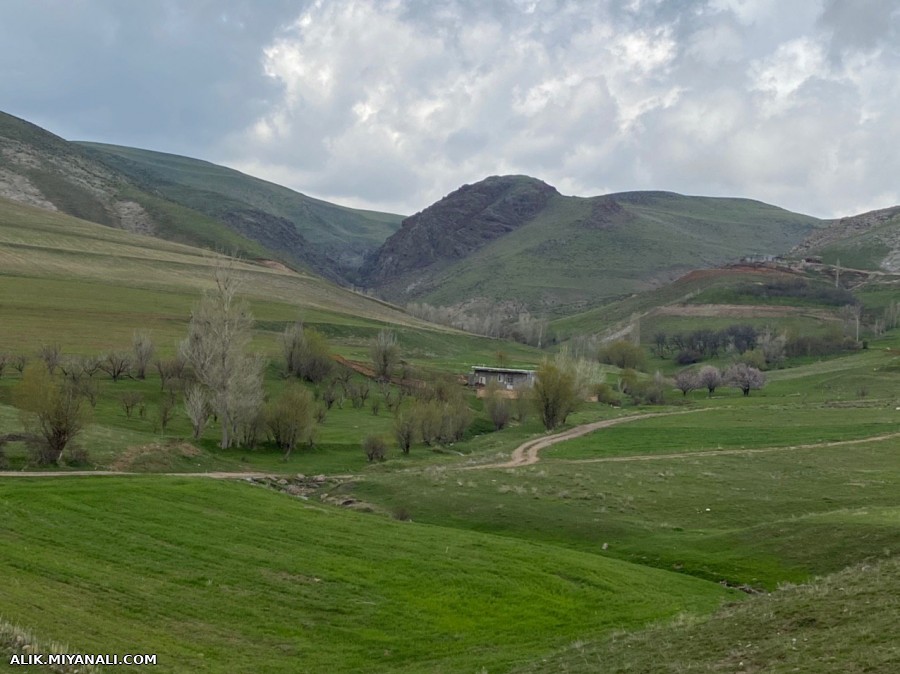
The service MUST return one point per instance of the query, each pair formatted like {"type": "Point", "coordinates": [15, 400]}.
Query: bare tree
{"type": "Point", "coordinates": [130, 400]}
{"type": "Point", "coordinates": [170, 369]}
{"type": "Point", "coordinates": [385, 354]}
{"type": "Point", "coordinates": [19, 362]}
{"type": "Point", "coordinates": [196, 408]}
{"type": "Point", "coordinates": [745, 377]}
{"type": "Point", "coordinates": [116, 364]}
{"type": "Point", "coordinates": [51, 354]}
{"type": "Point", "coordinates": [219, 335]}
{"type": "Point", "coordinates": [686, 381]}
{"type": "Point", "coordinates": [772, 347]}
{"type": "Point", "coordinates": [5, 359]}
{"type": "Point", "coordinates": [142, 349]}
{"type": "Point", "coordinates": [165, 412]}
{"type": "Point", "coordinates": [710, 378]}
{"type": "Point", "coordinates": [852, 313]}
{"type": "Point", "coordinates": [90, 365]}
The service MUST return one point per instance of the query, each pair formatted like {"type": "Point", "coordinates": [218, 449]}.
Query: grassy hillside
{"type": "Point", "coordinates": [329, 238]}
{"type": "Point", "coordinates": [89, 287]}
{"type": "Point", "coordinates": [577, 252]}
{"type": "Point", "coordinates": [184, 200]}
{"type": "Point", "coordinates": [282, 586]}
{"type": "Point", "coordinates": [843, 623]}
{"type": "Point", "coordinates": [866, 241]}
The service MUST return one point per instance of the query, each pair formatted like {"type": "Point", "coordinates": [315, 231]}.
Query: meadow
{"type": "Point", "coordinates": [622, 549]}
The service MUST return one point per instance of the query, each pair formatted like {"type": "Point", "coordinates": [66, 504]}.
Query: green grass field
{"type": "Point", "coordinates": [605, 555]}
{"type": "Point", "coordinates": [224, 577]}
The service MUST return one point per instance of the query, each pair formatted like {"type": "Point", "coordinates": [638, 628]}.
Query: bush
{"type": "Point", "coordinates": [406, 427]}
{"type": "Point", "coordinates": [555, 394]}
{"type": "Point", "coordinates": [374, 447]}
{"type": "Point", "coordinates": [306, 353]}
{"type": "Point", "coordinates": [289, 419]}
{"type": "Point", "coordinates": [605, 395]}
{"type": "Point", "coordinates": [688, 357]}
{"type": "Point", "coordinates": [53, 413]}
{"type": "Point", "coordinates": [623, 354]}
{"type": "Point", "coordinates": [497, 406]}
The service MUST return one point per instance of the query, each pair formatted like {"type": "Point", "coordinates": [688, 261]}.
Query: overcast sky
{"type": "Point", "coordinates": [391, 105]}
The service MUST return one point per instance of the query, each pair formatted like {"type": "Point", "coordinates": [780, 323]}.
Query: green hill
{"type": "Point", "coordinates": [184, 200]}
{"type": "Point", "coordinates": [868, 241]}
{"type": "Point", "coordinates": [515, 238]}
{"type": "Point", "coordinates": [332, 239]}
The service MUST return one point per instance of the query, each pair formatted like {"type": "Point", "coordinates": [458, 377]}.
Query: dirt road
{"type": "Point", "coordinates": [526, 454]}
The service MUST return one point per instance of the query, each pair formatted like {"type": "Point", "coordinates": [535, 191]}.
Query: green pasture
{"type": "Point", "coordinates": [733, 427]}
{"type": "Point", "coordinates": [225, 577]}
{"type": "Point", "coordinates": [757, 519]}
{"type": "Point", "coordinates": [844, 623]}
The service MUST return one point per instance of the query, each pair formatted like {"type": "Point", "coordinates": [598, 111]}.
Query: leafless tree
{"type": "Point", "coordinates": [772, 347]}
{"type": "Point", "coordinates": [686, 381]}
{"type": "Point", "coordinates": [130, 400]}
{"type": "Point", "coordinates": [5, 359]}
{"type": "Point", "coordinates": [852, 313]}
{"type": "Point", "coordinates": [196, 408]}
{"type": "Point", "coordinates": [216, 347]}
{"type": "Point", "coordinates": [165, 412]}
{"type": "Point", "coordinates": [19, 362]}
{"type": "Point", "coordinates": [385, 354]}
{"type": "Point", "coordinates": [170, 369]}
{"type": "Point", "coordinates": [90, 365]}
{"type": "Point", "coordinates": [51, 354]}
{"type": "Point", "coordinates": [710, 378]}
{"type": "Point", "coordinates": [116, 364]}
{"type": "Point", "coordinates": [142, 350]}
{"type": "Point", "coordinates": [745, 377]}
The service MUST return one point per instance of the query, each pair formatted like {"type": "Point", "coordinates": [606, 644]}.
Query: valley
{"type": "Point", "coordinates": [375, 512]}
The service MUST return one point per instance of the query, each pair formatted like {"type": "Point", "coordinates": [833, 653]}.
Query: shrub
{"type": "Point", "coordinates": [53, 413]}
{"type": "Point", "coordinates": [289, 418]}
{"type": "Point", "coordinates": [374, 447]}
{"type": "Point", "coordinates": [306, 353]}
{"type": "Point", "coordinates": [688, 357]}
{"type": "Point", "coordinates": [623, 354]}
{"type": "Point", "coordinates": [497, 406]}
{"type": "Point", "coordinates": [605, 394]}
{"type": "Point", "coordinates": [555, 394]}
{"type": "Point", "coordinates": [405, 430]}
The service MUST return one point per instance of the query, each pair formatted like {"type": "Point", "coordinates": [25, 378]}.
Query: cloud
{"type": "Point", "coordinates": [392, 103]}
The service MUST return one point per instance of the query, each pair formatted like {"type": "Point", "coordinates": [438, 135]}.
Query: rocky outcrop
{"type": "Point", "coordinates": [457, 225]}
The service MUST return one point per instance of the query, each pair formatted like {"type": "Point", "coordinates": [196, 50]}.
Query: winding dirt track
{"type": "Point", "coordinates": [731, 452]}
{"type": "Point", "coordinates": [526, 454]}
